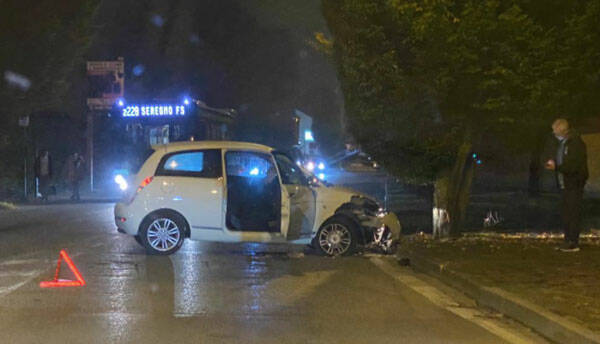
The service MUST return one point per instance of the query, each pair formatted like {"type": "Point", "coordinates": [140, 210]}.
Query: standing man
{"type": "Point", "coordinates": [75, 170]}
{"type": "Point", "coordinates": [571, 173]}
{"type": "Point", "coordinates": [43, 173]}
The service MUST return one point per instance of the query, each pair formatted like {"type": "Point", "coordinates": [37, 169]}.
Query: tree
{"type": "Point", "coordinates": [41, 54]}
{"type": "Point", "coordinates": [425, 82]}
{"type": "Point", "coordinates": [44, 42]}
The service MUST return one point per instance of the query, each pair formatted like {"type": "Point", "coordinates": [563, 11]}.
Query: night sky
{"type": "Point", "coordinates": [254, 56]}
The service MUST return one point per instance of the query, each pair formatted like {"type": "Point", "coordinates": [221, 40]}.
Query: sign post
{"type": "Point", "coordinates": [107, 84]}
{"type": "Point", "coordinates": [24, 122]}
{"type": "Point", "coordinates": [90, 146]}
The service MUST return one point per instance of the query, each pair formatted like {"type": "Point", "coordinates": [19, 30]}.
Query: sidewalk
{"type": "Point", "coordinates": [86, 196]}
{"type": "Point", "coordinates": [521, 275]}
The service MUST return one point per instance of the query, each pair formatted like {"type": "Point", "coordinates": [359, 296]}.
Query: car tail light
{"type": "Point", "coordinates": [142, 185]}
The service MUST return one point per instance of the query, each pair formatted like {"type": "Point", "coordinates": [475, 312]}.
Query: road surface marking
{"type": "Point", "coordinates": [438, 298]}
{"type": "Point", "coordinates": [21, 270]}
{"type": "Point", "coordinates": [5, 290]}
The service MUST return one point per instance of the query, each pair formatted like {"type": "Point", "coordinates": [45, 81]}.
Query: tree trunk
{"type": "Point", "coordinates": [441, 215]}
{"type": "Point", "coordinates": [462, 200]}
{"type": "Point", "coordinates": [451, 194]}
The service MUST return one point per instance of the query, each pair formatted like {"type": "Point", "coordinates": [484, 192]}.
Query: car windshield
{"type": "Point", "coordinates": [290, 172]}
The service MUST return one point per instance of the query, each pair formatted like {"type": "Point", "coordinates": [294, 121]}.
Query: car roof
{"type": "Point", "coordinates": [187, 145]}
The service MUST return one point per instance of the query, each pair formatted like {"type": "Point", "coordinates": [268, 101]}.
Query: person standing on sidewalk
{"type": "Point", "coordinates": [43, 172]}
{"type": "Point", "coordinates": [571, 170]}
{"type": "Point", "coordinates": [75, 168]}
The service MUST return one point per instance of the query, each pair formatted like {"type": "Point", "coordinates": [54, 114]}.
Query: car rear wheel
{"type": "Point", "coordinates": [162, 233]}
{"type": "Point", "coordinates": [337, 237]}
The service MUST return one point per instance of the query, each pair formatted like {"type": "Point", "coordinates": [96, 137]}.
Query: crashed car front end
{"type": "Point", "coordinates": [379, 228]}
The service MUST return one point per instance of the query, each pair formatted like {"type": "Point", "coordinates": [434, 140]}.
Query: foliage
{"type": "Point", "coordinates": [43, 42]}
{"type": "Point", "coordinates": [420, 77]}
{"type": "Point", "coordinates": [580, 45]}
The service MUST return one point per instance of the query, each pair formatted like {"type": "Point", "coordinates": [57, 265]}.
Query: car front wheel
{"type": "Point", "coordinates": [337, 237]}
{"type": "Point", "coordinates": [162, 233]}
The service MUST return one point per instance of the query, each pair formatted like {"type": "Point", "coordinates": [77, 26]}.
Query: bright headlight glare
{"type": "Point", "coordinates": [119, 179]}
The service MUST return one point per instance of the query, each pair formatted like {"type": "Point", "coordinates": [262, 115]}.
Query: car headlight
{"type": "Point", "coordinates": [120, 180]}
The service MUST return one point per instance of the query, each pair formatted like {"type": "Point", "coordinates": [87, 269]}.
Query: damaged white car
{"type": "Point", "coordinates": [244, 192]}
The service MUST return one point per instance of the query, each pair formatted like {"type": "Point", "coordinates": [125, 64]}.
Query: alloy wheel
{"type": "Point", "coordinates": [163, 234]}
{"type": "Point", "coordinates": [335, 239]}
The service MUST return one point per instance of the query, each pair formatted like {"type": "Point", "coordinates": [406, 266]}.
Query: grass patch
{"type": "Point", "coordinates": [528, 266]}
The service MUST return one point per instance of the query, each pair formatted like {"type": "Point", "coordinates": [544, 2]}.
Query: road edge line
{"type": "Point", "coordinates": [544, 322]}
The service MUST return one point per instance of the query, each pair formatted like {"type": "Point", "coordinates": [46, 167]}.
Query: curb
{"type": "Point", "coordinates": [546, 323]}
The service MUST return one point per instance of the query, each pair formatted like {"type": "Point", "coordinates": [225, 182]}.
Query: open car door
{"type": "Point", "coordinates": [254, 192]}
{"type": "Point", "coordinates": [298, 200]}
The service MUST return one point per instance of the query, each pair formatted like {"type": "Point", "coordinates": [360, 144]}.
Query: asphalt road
{"type": "Point", "coordinates": [215, 293]}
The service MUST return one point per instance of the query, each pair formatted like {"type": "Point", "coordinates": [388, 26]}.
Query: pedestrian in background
{"type": "Point", "coordinates": [571, 170]}
{"type": "Point", "coordinates": [43, 173]}
{"type": "Point", "coordinates": [75, 170]}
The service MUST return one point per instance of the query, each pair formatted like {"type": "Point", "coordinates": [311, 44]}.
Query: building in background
{"type": "Point", "coordinates": [304, 134]}
{"type": "Point", "coordinates": [124, 135]}
{"type": "Point", "coordinates": [121, 130]}
{"type": "Point", "coordinates": [160, 122]}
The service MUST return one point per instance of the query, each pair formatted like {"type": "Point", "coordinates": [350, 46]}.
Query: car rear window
{"type": "Point", "coordinates": [196, 163]}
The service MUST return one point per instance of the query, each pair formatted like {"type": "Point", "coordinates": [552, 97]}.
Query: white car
{"type": "Point", "coordinates": [244, 192]}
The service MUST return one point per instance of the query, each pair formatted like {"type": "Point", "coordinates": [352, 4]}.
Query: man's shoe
{"type": "Point", "coordinates": [570, 248]}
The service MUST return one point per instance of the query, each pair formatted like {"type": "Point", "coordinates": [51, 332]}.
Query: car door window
{"type": "Point", "coordinates": [290, 172]}
{"type": "Point", "coordinates": [253, 192]}
{"type": "Point", "coordinates": [196, 163]}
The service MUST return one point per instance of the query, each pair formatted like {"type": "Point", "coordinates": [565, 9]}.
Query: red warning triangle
{"type": "Point", "coordinates": [62, 282]}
